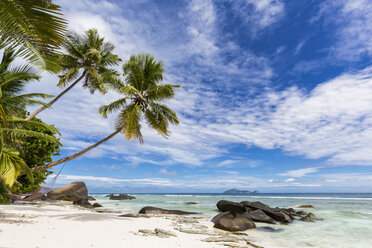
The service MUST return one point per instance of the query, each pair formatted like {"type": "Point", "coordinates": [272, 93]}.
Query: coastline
{"type": "Point", "coordinates": [61, 224]}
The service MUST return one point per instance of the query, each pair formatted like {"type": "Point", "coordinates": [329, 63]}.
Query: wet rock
{"type": "Point", "coordinates": [269, 229]}
{"type": "Point", "coordinates": [122, 197]}
{"type": "Point", "coordinates": [229, 222]}
{"type": "Point", "coordinates": [70, 192]}
{"type": "Point", "coordinates": [97, 205]}
{"type": "Point", "coordinates": [191, 203]}
{"type": "Point", "coordinates": [83, 203]}
{"type": "Point", "coordinates": [305, 206]}
{"type": "Point", "coordinates": [109, 195]}
{"type": "Point", "coordinates": [154, 210]}
{"type": "Point", "coordinates": [260, 216]}
{"type": "Point", "coordinates": [275, 213]}
{"type": "Point", "coordinates": [91, 198]}
{"type": "Point", "coordinates": [310, 217]}
{"type": "Point", "coordinates": [229, 206]}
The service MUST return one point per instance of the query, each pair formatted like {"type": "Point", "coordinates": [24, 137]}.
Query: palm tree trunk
{"type": "Point", "coordinates": [76, 155]}
{"type": "Point", "coordinates": [56, 98]}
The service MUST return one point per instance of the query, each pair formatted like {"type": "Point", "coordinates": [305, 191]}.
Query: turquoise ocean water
{"type": "Point", "coordinates": [347, 218]}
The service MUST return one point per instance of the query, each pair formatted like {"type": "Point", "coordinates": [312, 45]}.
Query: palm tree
{"type": "Point", "coordinates": [90, 55]}
{"type": "Point", "coordinates": [12, 129]}
{"type": "Point", "coordinates": [143, 96]}
{"type": "Point", "coordinates": [13, 79]}
{"type": "Point", "coordinates": [36, 27]}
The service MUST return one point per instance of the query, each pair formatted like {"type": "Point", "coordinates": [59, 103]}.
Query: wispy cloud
{"type": "Point", "coordinates": [298, 173]}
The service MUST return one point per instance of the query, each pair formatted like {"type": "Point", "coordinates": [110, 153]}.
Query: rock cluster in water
{"type": "Point", "coordinates": [240, 216]}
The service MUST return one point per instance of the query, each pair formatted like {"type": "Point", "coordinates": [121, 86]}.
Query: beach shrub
{"type": "Point", "coordinates": [36, 152]}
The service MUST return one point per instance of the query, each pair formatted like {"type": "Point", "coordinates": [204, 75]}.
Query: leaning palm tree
{"type": "Point", "coordinates": [143, 97]}
{"type": "Point", "coordinates": [36, 27]}
{"type": "Point", "coordinates": [90, 56]}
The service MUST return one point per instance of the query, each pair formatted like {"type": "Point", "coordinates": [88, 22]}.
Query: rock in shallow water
{"type": "Point", "coordinates": [154, 210]}
{"type": "Point", "coordinates": [269, 229]}
{"type": "Point", "coordinates": [122, 197]}
{"type": "Point", "coordinates": [229, 222]}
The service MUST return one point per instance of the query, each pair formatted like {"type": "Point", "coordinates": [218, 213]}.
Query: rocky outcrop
{"type": "Point", "coordinates": [70, 192]}
{"type": "Point", "coordinates": [278, 214]}
{"type": "Point", "coordinates": [305, 206]}
{"type": "Point", "coordinates": [230, 222]}
{"type": "Point", "coordinates": [259, 216]}
{"type": "Point", "coordinates": [155, 211]}
{"type": "Point", "coordinates": [35, 197]}
{"type": "Point", "coordinates": [121, 197]}
{"type": "Point", "coordinates": [91, 198]}
{"type": "Point", "coordinates": [97, 205]}
{"type": "Point", "coordinates": [310, 217]}
{"type": "Point", "coordinates": [83, 203]}
{"type": "Point", "coordinates": [241, 216]}
{"type": "Point", "coordinates": [232, 207]}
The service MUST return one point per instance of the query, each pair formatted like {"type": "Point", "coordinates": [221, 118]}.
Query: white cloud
{"type": "Point", "coordinates": [167, 173]}
{"type": "Point", "coordinates": [353, 33]}
{"type": "Point", "coordinates": [259, 14]}
{"type": "Point", "coordinates": [289, 180]}
{"type": "Point", "coordinates": [298, 173]}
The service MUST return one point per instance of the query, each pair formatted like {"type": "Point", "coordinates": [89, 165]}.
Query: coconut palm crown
{"type": "Point", "coordinates": [88, 58]}
{"type": "Point", "coordinates": [143, 96]}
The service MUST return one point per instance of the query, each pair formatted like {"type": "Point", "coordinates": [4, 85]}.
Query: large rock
{"type": "Point", "coordinates": [275, 213]}
{"type": "Point", "coordinates": [232, 207]}
{"type": "Point", "coordinates": [83, 203]}
{"type": "Point", "coordinates": [122, 197]}
{"type": "Point", "coordinates": [70, 192]}
{"type": "Point", "coordinates": [260, 216]}
{"type": "Point", "coordinates": [35, 197]}
{"type": "Point", "coordinates": [230, 222]}
{"type": "Point", "coordinates": [154, 210]}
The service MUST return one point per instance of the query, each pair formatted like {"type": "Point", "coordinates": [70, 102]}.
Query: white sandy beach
{"type": "Point", "coordinates": [60, 224]}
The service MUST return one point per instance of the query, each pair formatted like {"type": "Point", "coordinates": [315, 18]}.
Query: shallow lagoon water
{"type": "Point", "coordinates": [347, 218]}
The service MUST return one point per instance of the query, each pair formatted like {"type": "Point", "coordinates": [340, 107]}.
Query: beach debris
{"type": "Point", "coordinates": [121, 197]}
{"type": "Point", "coordinates": [253, 245]}
{"type": "Point", "coordinates": [155, 211]}
{"type": "Point", "coordinates": [228, 222]}
{"type": "Point", "coordinates": [161, 233]}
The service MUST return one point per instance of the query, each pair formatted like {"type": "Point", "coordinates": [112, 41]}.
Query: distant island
{"type": "Point", "coordinates": [237, 192]}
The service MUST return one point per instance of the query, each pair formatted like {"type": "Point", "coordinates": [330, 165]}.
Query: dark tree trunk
{"type": "Point", "coordinates": [76, 155]}
{"type": "Point", "coordinates": [56, 98]}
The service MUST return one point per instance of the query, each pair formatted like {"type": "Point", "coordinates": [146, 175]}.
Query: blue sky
{"type": "Point", "coordinates": [276, 97]}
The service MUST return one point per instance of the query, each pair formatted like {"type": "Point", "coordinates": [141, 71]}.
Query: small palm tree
{"type": "Point", "coordinates": [12, 129]}
{"type": "Point", "coordinates": [143, 97]}
{"type": "Point", "coordinates": [36, 27]}
{"type": "Point", "coordinates": [13, 80]}
{"type": "Point", "coordinates": [90, 55]}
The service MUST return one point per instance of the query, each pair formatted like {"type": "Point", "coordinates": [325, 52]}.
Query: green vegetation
{"type": "Point", "coordinates": [34, 31]}
{"type": "Point", "coordinates": [35, 27]}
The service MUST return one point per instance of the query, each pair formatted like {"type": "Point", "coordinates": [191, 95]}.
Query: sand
{"type": "Point", "coordinates": [60, 224]}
